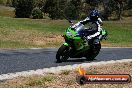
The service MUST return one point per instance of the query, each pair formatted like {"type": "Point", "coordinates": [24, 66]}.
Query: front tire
{"type": "Point", "coordinates": [62, 54]}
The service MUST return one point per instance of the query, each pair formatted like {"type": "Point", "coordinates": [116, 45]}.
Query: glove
{"type": "Point", "coordinates": [88, 37]}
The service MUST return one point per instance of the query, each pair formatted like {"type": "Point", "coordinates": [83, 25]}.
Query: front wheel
{"type": "Point", "coordinates": [62, 53]}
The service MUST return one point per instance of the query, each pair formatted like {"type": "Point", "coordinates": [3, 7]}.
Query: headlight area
{"type": "Point", "coordinates": [69, 33]}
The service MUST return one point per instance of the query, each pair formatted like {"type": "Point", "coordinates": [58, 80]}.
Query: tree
{"type": "Point", "coordinates": [70, 11]}
{"type": "Point", "coordinates": [50, 7]}
{"type": "Point", "coordinates": [120, 8]}
{"type": "Point", "coordinates": [129, 4]}
{"type": "Point", "coordinates": [37, 13]}
{"type": "Point", "coordinates": [39, 3]}
{"type": "Point", "coordinates": [113, 6]}
{"type": "Point", "coordinates": [78, 7]}
{"type": "Point", "coordinates": [24, 8]}
{"type": "Point", "coordinates": [93, 3]}
{"type": "Point", "coordinates": [14, 3]}
{"type": "Point", "coordinates": [55, 8]}
{"type": "Point", "coordinates": [120, 4]}
{"type": "Point", "coordinates": [62, 4]}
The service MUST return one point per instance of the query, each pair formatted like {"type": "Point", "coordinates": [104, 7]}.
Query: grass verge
{"type": "Point", "coordinates": [67, 79]}
{"type": "Point", "coordinates": [29, 33]}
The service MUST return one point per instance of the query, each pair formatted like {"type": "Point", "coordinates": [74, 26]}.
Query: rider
{"type": "Point", "coordinates": [95, 25]}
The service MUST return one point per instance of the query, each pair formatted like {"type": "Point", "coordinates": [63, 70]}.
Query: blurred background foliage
{"type": "Point", "coordinates": [71, 9]}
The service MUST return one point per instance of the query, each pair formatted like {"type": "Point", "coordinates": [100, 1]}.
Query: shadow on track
{"type": "Point", "coordinates": [78, 60]}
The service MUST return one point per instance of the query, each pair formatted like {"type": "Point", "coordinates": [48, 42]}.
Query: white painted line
{"type": "Point", "coordinates": [58, 69]}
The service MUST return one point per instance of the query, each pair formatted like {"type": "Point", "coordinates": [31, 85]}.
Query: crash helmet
{"type": "Point", "coordinates": [94, 14]}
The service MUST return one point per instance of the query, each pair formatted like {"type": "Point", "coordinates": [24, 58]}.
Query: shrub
{"type": "Point", "coordinates": [70, 11]}
{"type": "Point", "coordinates": [127, 13]}
{"type": "Point", "coordinates": [24, 8]}
{"type": "Point", "coordinates": [37, 13]}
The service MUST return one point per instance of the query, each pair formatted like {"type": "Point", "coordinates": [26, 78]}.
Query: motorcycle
{"type": "Point", "coordinates": [76, 45]}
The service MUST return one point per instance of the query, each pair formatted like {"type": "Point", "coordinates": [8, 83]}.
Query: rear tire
{"type": "Point", "coordinates": [93, 52]}
{"type": "Point", "coordinates": [62, 54]}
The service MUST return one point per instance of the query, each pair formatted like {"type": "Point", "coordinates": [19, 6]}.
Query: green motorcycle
{"type": "Point", "coordinates": [76, 46]}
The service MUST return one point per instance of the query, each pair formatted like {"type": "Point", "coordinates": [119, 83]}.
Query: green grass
{"type": "Point", "coordinates": [31, 24]}
{"type": "Point", "coordinates": [26, 33]}
{"type": "Point", "coordinates": [40, 80]}
{"type": "Point", "coordinates": [29, 33]}
{"type": "Point", "coordinates": [120, 32]}
{"type": "Point", "coordinates": [65, 72]}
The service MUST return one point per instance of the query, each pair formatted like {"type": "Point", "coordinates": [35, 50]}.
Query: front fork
{"type": "Point", "coordinates": [71, 50]}
{"type": "Point", "coordinates": [65, 44]}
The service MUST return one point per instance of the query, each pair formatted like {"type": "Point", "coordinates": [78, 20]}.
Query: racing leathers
{"type": "Point", "coordinates": [94, 29]}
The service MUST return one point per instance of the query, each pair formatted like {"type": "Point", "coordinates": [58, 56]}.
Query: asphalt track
{"type": "Point", "coordinates": [18, 60]}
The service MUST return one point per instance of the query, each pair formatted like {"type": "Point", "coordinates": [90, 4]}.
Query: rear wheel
{"type": "Point", "coordinates": [62, 54]}
{"type": "Point", "coordinates": [93, 52]}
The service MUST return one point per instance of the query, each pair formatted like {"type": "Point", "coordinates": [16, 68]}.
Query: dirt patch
{"type": "Point", "coordinates": [67, 79]}
{"type": "Point", "coordinates": [35, 38]}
